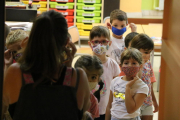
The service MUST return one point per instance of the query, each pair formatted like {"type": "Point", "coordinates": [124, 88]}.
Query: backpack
{"type": "Point", "coordinates": [48, 102]}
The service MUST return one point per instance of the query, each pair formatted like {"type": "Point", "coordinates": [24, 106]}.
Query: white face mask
{"type": "Point", "coordinates": [92, 85]}
{"type": "Point", "coordinates": [100, 49]}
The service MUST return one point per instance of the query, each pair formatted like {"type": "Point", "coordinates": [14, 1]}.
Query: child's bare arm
{"type": "Point", "coordinates": [156, 107]}
{"type": "Point", "coordinates": [133, 102]}
{"type": "Point", "coordinates": [108, 114]}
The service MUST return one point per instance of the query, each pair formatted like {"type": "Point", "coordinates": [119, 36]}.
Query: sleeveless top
{"type": "Point", "coordinates": [65, 80]}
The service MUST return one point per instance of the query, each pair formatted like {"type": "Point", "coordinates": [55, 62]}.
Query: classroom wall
{"type": "Point", "coordinates": [130, 5]}
{"type": "Point", "coordinates": [138, 5]}
{"type": "Point", "coordinates": [149, 4]}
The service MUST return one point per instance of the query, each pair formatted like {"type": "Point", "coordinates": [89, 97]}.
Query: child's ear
{"type": "Point", "coordinates": [120, 65]}
{"type": "Point", "coordinates": [110, 42]}
{"type": "Point", "coordinates": [24, 42]}
{"type": "Point", "coordinates": [89, 43]}
{"type": "Point", "coordinates": [109, 25]}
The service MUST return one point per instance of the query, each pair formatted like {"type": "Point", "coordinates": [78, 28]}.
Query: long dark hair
{"type": "Point", "coordinates": [43, 54]}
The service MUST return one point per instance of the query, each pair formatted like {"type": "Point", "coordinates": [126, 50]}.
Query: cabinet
{"type": "Point", "coordinates": [80, 13]}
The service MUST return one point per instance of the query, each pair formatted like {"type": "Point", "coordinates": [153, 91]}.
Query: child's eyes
{"type": "Point", "coordinates": [125, 63]}
{"type": "Point", "coordinates": [93, 77]}
{"type": "Point", "coordinates": [122, 26]}
{"type": "Point", "coordinates": [146, 52]}
{"type": "Point", "coordinates": [104, 41]}
{"type": "Point", "coordinates": [96, 41]}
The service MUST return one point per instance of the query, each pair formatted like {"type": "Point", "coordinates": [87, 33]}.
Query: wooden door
{"type": "Point", "coordinates": [170, 63]}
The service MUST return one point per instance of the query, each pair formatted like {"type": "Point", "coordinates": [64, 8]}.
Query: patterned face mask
{"type": "Point", "coordinates": [130, 71]}
{"type": "Point", "coordinates": [100, 49]}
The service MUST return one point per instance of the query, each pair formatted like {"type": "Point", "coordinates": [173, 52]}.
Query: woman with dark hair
{"type": "Point", "coordinates": [42, 65]}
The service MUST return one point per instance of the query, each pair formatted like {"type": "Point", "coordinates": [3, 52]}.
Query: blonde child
{"type": "Point", "coordinates": [128, 92]}
{"type": "Point", "coordinates": [118, 24]}
{"type": "Point", "coordinates": [145, 45]}
{"type": "Point", "coordinates": [100, 42]}
{"type": "Point", "coordinates": [15, 41]}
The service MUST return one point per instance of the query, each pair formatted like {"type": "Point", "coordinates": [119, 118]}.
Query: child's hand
{"type": "Point", "coordinates": [70, 51]}
{"type": "Point", "coordinates": [156, 108]}
{"type": "Point", "coordinates": [130, 83]}
{"type": "Point", "coordinates": [8, 57]}
{"type": "Point", "coordinates": [133, 27]}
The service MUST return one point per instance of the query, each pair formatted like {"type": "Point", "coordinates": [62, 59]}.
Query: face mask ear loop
{"type": "Point", "coordinates": [127, 27]}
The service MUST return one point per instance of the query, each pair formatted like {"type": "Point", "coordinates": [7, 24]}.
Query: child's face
{"type": "Point", "coordinates": [145, 54]}
{"type": "Point", "coordinates": [99, 45]}
{"type": "Point", "coordinates": [14, 48]}
{"type": "Point", "coordinates": [92, 76]}
{"type": "Point", "coordinates": [118, 27]}
{"type": "Point", "coordinates": [130, 67]}
{"type": "Point", "coordinates": [119, 24]}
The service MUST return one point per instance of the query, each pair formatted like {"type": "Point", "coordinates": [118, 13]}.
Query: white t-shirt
{"type": "Point", "coordinates": [118, 87]}
{"type": "Point", "coordinates": [116, 49]}
{"type": "Point", "coordinates": [111, 69]}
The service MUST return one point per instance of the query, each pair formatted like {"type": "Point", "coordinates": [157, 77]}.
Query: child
{"type": "Point", "coordinates": [100, 42]}
{"type": "Point", "coordinates": [14, 42]}
{"type": "Point", "coordinates": [93, 68]}
{"type": "Point", "coordinates": [127, 40]}
{"type": "Point", "coordinates": [118, 24]}
{"type": "Point", "coordinates": [145, 45]}
{"type": "Point", "coordinates": [127, 92]}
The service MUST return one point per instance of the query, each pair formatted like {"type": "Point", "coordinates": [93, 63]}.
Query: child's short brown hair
{"type": "Point", "coordinates": [142, 41]}
{"type": "Point", "coordinates": [118, 14]}
{"type": "Point", "coordinates": [98, 31]}
{"type": "Point", "coordinates": [131, 53]}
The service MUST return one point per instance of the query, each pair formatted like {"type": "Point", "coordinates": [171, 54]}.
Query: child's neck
{"type": "Point", "coordinates": [103, 57]}
{"type": "Point", "coordinates": [117, 37]}
{"type": "Point", "coordinates": [126, 78]}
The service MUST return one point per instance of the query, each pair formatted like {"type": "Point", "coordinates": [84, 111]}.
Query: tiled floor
{"type": "Point", "coordinates": [156, 65]}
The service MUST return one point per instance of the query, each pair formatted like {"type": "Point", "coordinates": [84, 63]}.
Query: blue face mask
{"type": "Point", "coordinates": [118, 31]}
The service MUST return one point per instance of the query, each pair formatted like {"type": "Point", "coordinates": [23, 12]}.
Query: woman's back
{"type": "Point", "coordinates": [43, 56]}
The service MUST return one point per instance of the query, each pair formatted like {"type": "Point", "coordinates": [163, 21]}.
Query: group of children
{"type": "Point", "coordinates": [120, 74]}
{"type": "Point", "coordinates": [127, 93]}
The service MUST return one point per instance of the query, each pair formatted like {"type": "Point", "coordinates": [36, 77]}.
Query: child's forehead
{"type": "Point", "coordinates": [92, 72]}
{"type": "Point", "coordinates": [145, 50]}
{"type": "Point", "coordinates": [100, 38]}
{"type": "Point", "coordinates": [129, 59]}
{"type": "Point", "coordinates": [116, 21]}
